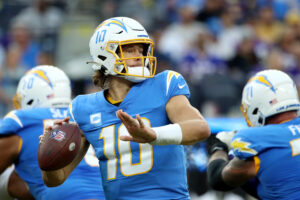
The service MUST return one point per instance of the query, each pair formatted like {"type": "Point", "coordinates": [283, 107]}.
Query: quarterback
{"type": "Point", "coordinates": [138, 123]}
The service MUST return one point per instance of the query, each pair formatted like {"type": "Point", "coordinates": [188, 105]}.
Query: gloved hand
{"type": "Point", "coordinates": [226, 137]}
{"type": "Point", "coordinates": [217, 145]}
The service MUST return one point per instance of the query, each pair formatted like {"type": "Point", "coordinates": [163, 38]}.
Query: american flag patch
{"type": "Point", "coordinates": [50, 96]}
{"type": "Point", "coordinates": [274, 101]}
{"type": "Point", "coordinates": [58, 135]}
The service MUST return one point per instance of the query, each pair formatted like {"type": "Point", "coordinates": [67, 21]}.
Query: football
{"type": "Point", "coordinates": [59, 147]}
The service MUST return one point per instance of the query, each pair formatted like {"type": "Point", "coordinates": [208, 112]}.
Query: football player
{"type": "Point", "coordinates": [139, 122]}
{"type": "Point", "coordinates": [269, 151]}
{"type": "Point", "coordinates": [43, 94]}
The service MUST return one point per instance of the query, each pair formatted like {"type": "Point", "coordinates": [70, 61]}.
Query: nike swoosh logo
{"type": "Point", "coordinates": [181, 86]}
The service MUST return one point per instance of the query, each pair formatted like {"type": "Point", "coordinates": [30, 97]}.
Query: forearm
{"type": "Point", "coordinates": [17, 187]}
{"type": "Point", "coordinates": [194, 130]}
{"type": "Point", "coordinates": [216, 165]}
{"type": "Point", "coordinates": [193, 126]}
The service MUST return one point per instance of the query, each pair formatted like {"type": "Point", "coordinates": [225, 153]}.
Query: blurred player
{"type": "Point", "coordinates": [269, 151]}
{"type": "Point", "coordinates": [43, 95]}
{"type": "Point", "coordinates": [137, 161]}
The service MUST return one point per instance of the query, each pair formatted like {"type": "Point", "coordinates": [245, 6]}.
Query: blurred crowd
{"type": "Point", "coordinates": [215, 44]}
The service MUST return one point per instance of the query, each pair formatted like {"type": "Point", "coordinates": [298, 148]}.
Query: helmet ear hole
{"type": "Point", "coordinates": [103, 58]}
{"type": "Point", "coordinates": [30, 102]}
{"type": "Point", "coordinates": [255, 111]}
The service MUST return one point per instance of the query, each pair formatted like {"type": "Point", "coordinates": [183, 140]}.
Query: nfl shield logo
{"type": "Point", "coordinates": [58, 135]}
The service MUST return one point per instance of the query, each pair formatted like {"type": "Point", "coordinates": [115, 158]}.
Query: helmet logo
{"type": "Point", "coordinates": [113, 22]}
{"type": "Point", "coordinates": [41, 74]}
{"type": "Point", "coordinates": [263, 80]}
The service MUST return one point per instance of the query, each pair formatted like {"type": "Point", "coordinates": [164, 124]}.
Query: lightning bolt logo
{"type": "Point", "coordinates": [41, 74]}
{"type": "Point", "coordinates": [112, 22]}
{"type": "Point", "coordinates": [241, 146]}
{"type": "Point", "coordinates": [170, 75]}
{"type": "Point", "coordinates": [12, 115]}
{"type": "Point", "coordinates": [263, 80]}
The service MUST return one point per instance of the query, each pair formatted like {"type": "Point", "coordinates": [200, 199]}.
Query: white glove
{"type": "Point", "coordinates": [226, 137]}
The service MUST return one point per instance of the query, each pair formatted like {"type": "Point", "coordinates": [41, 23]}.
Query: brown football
{"type": "Point", "coordinates": [59, 147]}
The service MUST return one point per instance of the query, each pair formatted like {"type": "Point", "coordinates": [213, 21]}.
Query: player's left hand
{"type": "Point", "coordinates": [136, 128]}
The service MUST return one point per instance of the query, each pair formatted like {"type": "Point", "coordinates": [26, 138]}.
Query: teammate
{"type": "Point", "coordinates": [43, 95]}
{"type": "Point", "coordinates": [138, 124]}
{"type": "Point", "coordinates": [269, 150]}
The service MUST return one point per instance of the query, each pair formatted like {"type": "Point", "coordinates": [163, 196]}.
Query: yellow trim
{"type": "Point", "coordinates": [244, 109]}
{"type": "Point", "coordinates": [257, 163]}
{"type": "Point", "coordinates": [16, 100]}
{"type": "Point", "coordinates": [20, 145]}
{"type": "Point", "coordinates": [140, 150]}
{"type": "Point", "coordinates": [293, 144]}
{"type": "Point", "coordinates": [171, 74]}
{"type": "Point", "coordinates": [110, 100]}
{"type": "Point", "coordinates": [112, 148]}
{"type": "Point", "coordinates": [285, 121]}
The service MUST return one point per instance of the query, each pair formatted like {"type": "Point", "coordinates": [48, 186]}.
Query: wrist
{"type": "Point", "coordinates": [168, 134]}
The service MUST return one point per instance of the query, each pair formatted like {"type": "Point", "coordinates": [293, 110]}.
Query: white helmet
{"type": "Point", "coordinates": [109, 37]}
{"type": "Point", "coordinates": [43, 86]}
{"type": "Point", "coordinates": [267, 93]}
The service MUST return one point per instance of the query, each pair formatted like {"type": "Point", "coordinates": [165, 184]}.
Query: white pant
{"type": "Point", "coordinates": [4, 178]}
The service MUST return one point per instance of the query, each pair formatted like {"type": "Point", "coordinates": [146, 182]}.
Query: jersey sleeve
{"type": "Point", "coordinates": [11, 124]}
{"type": "Point", "coordinates": [245, 145]}
{"type": "Point", "coordinates": [176, 85]}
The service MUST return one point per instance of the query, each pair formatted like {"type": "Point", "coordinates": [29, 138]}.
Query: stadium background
{"type": "Point", "coordinates": [215, 44]}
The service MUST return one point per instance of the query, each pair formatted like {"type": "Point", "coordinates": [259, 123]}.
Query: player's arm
{"type": "Point", "coordinates": [193, 126]}
{"type": "Point", "coordinates": [57, 177]}
{"type": "Point", "coordinates": [189, 126]}
{"type": "Point", "coordinates": [17, 188]}
{"type": "Point", "coordinates": [225, 175]}
{"type": "Point", "coordinates": [9, 150]}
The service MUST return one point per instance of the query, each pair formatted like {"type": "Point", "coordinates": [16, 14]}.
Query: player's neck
{"type": "Point", "coordinates": [282, 117]}
{"type": "Point", "coordinates": [119, 88]}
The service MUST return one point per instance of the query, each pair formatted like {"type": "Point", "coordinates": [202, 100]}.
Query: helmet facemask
{"type": "Point", "coordinates": [137, 73]}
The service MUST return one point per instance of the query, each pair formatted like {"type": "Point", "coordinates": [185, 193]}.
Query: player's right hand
{"type": "Point", "coordinates": [55, 123]}
{"type": "Point", "coordinates": [226, 137]}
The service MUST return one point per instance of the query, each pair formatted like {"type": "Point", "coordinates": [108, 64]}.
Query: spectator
{"type": "Point", "coordinates": [24, 49]}
{"type": "Point", "coordinates": [181, 35]}
{"type": "Point", "coordinates": [44, 21]}
{"type": "Point", "coordinates": [267, 29]}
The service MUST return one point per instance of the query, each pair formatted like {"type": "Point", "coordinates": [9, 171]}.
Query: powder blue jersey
{"type": "Point", "coordinates": [276, 152]}
{"type": "Point", "coordinates": [83, 183]}
{"type": "Point", "coordinates": [130, 170]}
